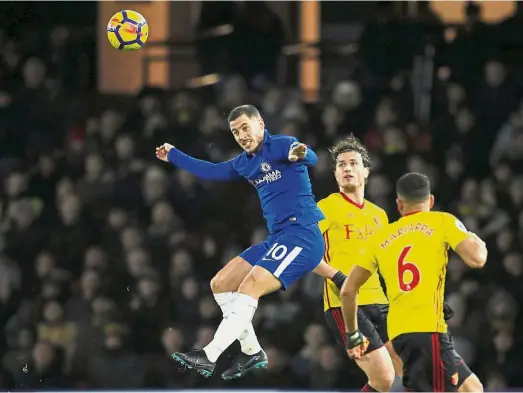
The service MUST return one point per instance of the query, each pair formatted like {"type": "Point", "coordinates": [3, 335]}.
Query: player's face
{"type": "Point", "coordinates": [350, 172]}
{"type": "Point", "coordinates": [248, 132]}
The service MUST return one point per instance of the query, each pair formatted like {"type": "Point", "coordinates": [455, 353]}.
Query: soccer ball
{"type": "Point", "coordinates": [127, 30]}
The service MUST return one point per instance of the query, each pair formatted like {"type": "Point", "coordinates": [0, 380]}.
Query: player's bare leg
{"type": "Point", "coordinates": [396, 361]}
{"type": "Point", "coordinates": [229, 278]}
{"type": "Point", "coordinates": [378, 367]}
{"type": "Point", "coordinates": [259, 282]}
{"type": "Point", "coordinates": [224, 286]}
{"type": "Point", "coordinates": [471, 384]}
{"type": "Point", "coordinates": [256, 284]}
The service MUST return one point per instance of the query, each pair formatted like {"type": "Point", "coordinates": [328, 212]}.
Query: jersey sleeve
{"type": "Point", "coordinates": [203, 169]}
{"type": "Point", "coordinates": [454, 230]}
{"type": "Point", "coordinates": [384, 217]}
{"type": "Point", "coordinates": [367, 259]}
{"type": "Point", "coordinates": [324, 224]}
{"type": "Point", "coordinates": [288, 142]}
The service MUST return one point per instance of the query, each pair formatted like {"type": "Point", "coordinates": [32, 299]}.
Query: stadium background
{"type": "Point", "coordinates": [106, 254]}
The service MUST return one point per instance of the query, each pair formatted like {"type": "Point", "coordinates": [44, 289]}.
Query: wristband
{"type": "Point", "coordinates": [354, 339]}
{"type": "Point", "coordinates": [338, 279]}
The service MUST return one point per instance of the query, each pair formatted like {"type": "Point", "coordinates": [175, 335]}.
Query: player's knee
{"type": "Point", "coordinates": [381, 385]}
{"type": "Point", "coordinates": [477, 386]}
{"type": "Point", "coordinates": [383, 382]}
{"type": "Point", "coordinates": [259, 282]}
{"type": "Point", "coordinates": [219, 284]}
{"type": "Point", "coordinates": [251, 281]}
{"type": "Point", "coordinates": [471, 384]}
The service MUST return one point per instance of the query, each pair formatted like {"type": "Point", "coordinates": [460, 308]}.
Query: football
{"type": "Point", "coordinates": [127, 30]}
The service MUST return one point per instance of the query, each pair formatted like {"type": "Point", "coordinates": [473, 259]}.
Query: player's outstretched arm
{"type": "Point", "coordinates": [327, 271]}
{"type": "Point", "coordinates": [301, 152]}
{"type": "Point", "coordinates": [222, 171]}
{"type": "Point", "coordinates": [467, 245]}
{"type": "Point", "coordinates": [473, 251]}
{"type": "Point", "coordinates": [356, 342]}
{"type": "Point", "coordinates": [293, 150]}
{"type": "Point", "coordinates": [349, 293]}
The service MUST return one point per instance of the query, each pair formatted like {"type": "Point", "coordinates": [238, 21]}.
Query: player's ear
{"type": "Point", "coordinates": [399, 205]}
{"type": "Point", "coordinates": [262, 124]}
{"type": "Point", "coordinates": [431, 201]}
{"type": "Point", "coordinates": [366, 172]}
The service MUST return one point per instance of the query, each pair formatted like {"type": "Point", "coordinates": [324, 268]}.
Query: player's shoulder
{"type": "Point", "coordinates": [387, 229]}
{"type": "Point", "coordinates": [280, 139]}
{"type": "Point", "coordinates": [238, 160]}
{"type": "Point", "coordinates": [449, 220]}
{"type": "Point", "coordinates": [375, 209]}
{"type": "Point", "coordinates": [439, 217]}
{"type": "Point", "coordinates": [279, 144]}
{"type": "Point", "coordinates": [330, 201]}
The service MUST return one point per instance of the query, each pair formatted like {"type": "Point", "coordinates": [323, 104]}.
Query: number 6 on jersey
{"type": "Point", "coordinates": [404, 267]}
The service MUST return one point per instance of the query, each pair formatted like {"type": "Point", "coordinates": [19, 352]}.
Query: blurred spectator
{"type": "Point", "coordinates": [44, 370]}
{"type": "Point", "coordinates": [56, 330]}
{"type": "Point", "coordinates": [474, 37]}
{"type": "Point", "coordinates": [116, 366]}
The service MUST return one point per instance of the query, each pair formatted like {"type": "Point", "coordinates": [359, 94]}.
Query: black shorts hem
{"type": "Point", "coordinates": [429, 363]}
{"type": "Point", "coordinates": [335, 322]}
{"type": "Point", "coordinates": [463, 370]}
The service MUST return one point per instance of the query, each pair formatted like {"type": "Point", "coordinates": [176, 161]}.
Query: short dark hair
{"type": "Point", "coordinates": [350, 143]}
{"type": "Point", "coordinates": [413, 187]}
{"type": "Point", "coordinates": [249, 110]}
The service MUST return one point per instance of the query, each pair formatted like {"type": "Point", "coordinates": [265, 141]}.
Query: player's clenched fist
{"type": "Point", "coordinates": [297, 151]}
{"type": "Point", "coordinates": [163, 150]}
{"type": "Point", "coordinates": [356, 344]}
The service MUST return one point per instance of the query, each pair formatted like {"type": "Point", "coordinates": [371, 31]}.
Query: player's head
{"type": "Point", "coordinates": [413, 193]}
{"type": "Point", "coordinates": [247, 127]}
{"type": "Point", "coordinates": [351, 163]}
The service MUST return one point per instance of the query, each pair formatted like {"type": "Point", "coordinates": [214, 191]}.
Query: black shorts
{"type": "Point", "coordinates": [463, 370]}
{"type": "Point", "coordinates": [372, 323]}
{"type": "Point", "coordinates": [429, 362]}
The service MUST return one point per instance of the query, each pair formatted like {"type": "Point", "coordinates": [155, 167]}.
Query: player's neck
{"type": "Point", "coordinates": [257, 150]}
{"type": "Point", "coordinates": [357, 196]}
{"type": "Point", "coordinates": [414, 209]}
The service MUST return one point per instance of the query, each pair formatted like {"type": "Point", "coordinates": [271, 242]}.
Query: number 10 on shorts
{"type": "Point", "coordinates": [281, 254]}
{"type": "Point", "coordinates": [277, 252]}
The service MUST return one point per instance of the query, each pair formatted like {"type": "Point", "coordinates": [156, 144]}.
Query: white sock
{"type": "Point", "coordinates": [233, 324]}
{"type": "Point", "coordinates": [224, 300]}
{"type": "Point", "coordinates": [249, 341]}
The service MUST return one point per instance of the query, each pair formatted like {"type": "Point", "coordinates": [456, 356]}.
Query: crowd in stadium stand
{"type": "Point", "coordinates": [106, 253]}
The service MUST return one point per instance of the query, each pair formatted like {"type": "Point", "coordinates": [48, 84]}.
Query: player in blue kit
{"type": "Point", "coordinates": [277, 167]}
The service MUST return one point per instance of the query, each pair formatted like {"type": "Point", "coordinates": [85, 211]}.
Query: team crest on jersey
{"type": "Point", "coordinates": [265, 167]}
{"type": "Point", "coordinates": [455, 379]}
{"type": "Point", "coordinates": [269, 175]}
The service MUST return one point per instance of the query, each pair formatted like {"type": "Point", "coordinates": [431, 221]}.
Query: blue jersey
{"type": "Point", "coordinates": [283, 187]}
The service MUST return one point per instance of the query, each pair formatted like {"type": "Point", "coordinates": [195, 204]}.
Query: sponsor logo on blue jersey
{"type": "Point", "coordinates": [269, 175]}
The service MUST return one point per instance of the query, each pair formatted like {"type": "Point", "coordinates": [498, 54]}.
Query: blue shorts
{"type": "Point", "coordinates": [288, 254]}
